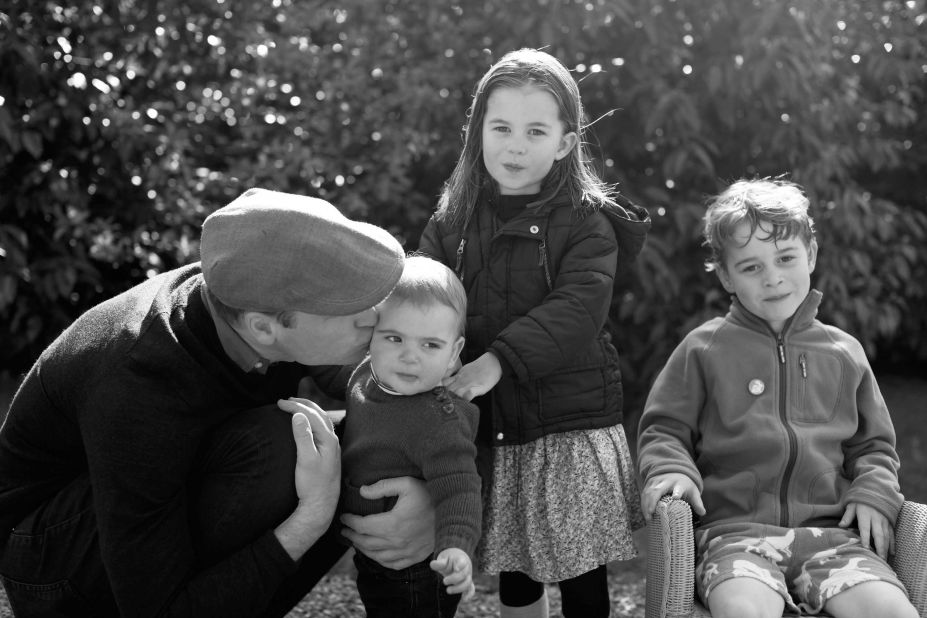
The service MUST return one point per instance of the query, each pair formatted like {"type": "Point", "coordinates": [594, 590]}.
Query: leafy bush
{"type": "Point", "coordinates": [123, 124]}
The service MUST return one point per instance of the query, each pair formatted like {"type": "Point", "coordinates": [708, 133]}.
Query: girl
{"type": "Point", "coordinates": [537, 240]}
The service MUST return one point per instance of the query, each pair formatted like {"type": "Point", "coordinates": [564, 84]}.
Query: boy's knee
{"type": "Point", "coordinates": [873, 598]}
{"type": "Point", "coordinates": [745, 598]}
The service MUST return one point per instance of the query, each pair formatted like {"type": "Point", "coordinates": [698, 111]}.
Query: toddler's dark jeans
{"type": "Point", "coordinates": [413, 592]}
{"type": "Point", "coordinates": [242, 487]}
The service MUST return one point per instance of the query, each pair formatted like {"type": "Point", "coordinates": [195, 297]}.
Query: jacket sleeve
{"type": "Point", "coordinates": [870, 459]}
{"type": "Point", "coordinates": [548, 338]}
{"type": "Point", "coordinates": [669, 425]}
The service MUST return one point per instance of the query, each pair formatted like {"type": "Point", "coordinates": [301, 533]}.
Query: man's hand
{"type": "Point", "coordinates": [317, 477]}
{"type": "Point", "coordinates": [400, 537]}
{"type": "Point", "coordinates": [476, 378]}
{"type": "Point", "coordinates": [674, 483]}
{"type": "Point", "coordinates": [874, 528]}
{"type": "Point", "coordinates": [454, 564]}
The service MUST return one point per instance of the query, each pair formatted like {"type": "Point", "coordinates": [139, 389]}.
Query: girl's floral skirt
{"type": "Point", "coordinates": [560, 506]}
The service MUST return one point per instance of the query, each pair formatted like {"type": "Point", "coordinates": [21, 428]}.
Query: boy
{"type": "Point", "coordinates": [401, 421]}
{"type": "Point", "coordinates": [771, 425]}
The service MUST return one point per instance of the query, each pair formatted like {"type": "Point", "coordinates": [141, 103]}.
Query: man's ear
{"type": "Point", "coordinates": [724, 278]}
{"type": "Point", "coordinates": [567, 143]}
{"type": "Point", "coordinates": [261, 326]}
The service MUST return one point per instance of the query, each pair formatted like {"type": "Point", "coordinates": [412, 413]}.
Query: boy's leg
{"type": "Point", "coordinates": [414, 592]}
{"type": "Point", "coordinates": [381, 590]}
{"type": "Point", "coordinates": [586, 595]}
{"type": "Point", "coordinates": [745, 597]}
{"type": "Point", "coordinates": [835, 572]}
{"type": "Point", "coordinates": [738, 570]}
{"type": "Point", "coordinates": [868, 599]}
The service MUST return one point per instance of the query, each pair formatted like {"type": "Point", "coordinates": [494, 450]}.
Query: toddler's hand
{"type": "Point", "coordinates": [874, 528]}
{"type": "Point", "coordinates": [454, 564]}
{"type": "Point", "coordinates": [674, 483]}
{"type": "Point", "coordinates": [476, 378]}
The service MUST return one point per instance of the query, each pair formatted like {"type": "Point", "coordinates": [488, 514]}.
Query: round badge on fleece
{"type": "Point", "coordinates": [756, 387]}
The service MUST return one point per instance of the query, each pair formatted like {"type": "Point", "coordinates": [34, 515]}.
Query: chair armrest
{"type": "Point", "coordinates": [670, 560]}
{"type": "Point", "coordinates": [910, 559]}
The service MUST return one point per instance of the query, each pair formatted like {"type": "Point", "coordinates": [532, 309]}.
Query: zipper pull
{"type": "Point", "coordinates": [804, 366]}
{"type": "Point", "coordinates": [542, 261]}
{"type": "Point", "coordinates": [781, 347]}
{"type": "Point", "coordinates": [458, 267]}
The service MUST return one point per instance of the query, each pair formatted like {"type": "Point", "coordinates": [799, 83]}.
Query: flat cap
{"type": "Point", "coordinates": [270, 251]}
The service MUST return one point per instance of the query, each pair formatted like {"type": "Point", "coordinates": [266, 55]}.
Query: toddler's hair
{"type": "Point", "coordinates": [780, 204]}
{"type": "Point", "coordinates": [425, 281]}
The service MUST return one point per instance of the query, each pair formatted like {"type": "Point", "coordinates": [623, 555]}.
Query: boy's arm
{"type": "Point", "coordinates": [446, 455]}
{"type": "Point", "coordinates": [668, 428]}
{"type": "Point", "coordinates": [870, 458]}
{"type": "Point", "coordinates": [675, 484]}
{"type": "Point", "coordinates": [457, 568]}
{"type": "Point", "coordinates": [875, 530]}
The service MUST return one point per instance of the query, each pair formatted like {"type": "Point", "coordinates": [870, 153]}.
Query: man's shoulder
{"type": "Point", "coordinates": [115, 327]}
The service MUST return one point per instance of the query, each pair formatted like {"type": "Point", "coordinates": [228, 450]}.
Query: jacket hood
{"type": "Point", "coordinates": [631, 223]}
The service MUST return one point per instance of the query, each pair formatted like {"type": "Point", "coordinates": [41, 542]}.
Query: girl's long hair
{"type": "Point", "coordinates": [573, 174]}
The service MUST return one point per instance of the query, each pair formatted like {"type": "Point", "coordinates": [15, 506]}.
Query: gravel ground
{"type": "Point", "coordinates": [336, 596]}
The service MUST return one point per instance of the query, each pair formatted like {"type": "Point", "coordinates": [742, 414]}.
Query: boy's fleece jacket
{"type": "Point", "coordinates": [783, 430]}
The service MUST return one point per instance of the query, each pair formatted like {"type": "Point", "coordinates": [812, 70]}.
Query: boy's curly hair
{"type": "Point", "coordinates": [780, 204]}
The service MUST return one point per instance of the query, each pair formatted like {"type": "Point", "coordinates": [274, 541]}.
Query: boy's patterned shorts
{"type": "Point", "coordinates": [806, 566]}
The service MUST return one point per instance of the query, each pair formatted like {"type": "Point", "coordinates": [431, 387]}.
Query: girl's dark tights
{"type": "Point", "coordinates": [583, 596]}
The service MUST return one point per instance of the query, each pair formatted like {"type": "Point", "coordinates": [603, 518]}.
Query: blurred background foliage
{"type": "Point", "coordinates": [124, 123]}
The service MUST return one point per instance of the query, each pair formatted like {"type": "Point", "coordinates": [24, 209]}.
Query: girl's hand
{"type": "Point", "coordinates": [454, 564]}
{"type": "Point", "coordinates": [676, 484]}
{"type": "Point", "coordinates": [476, 378]}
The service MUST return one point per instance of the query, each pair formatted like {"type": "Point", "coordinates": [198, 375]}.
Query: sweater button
{"type": "Point", "coordinates": [534, 229]}
{"type": "Point", "coordinates": [499, 436]}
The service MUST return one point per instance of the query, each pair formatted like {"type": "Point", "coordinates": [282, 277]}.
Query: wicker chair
{"type": "Point", "coordinates": [671, 559]}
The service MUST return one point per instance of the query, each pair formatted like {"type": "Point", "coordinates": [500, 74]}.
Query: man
{"type": "Point", "coordinates": [147, 461]}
